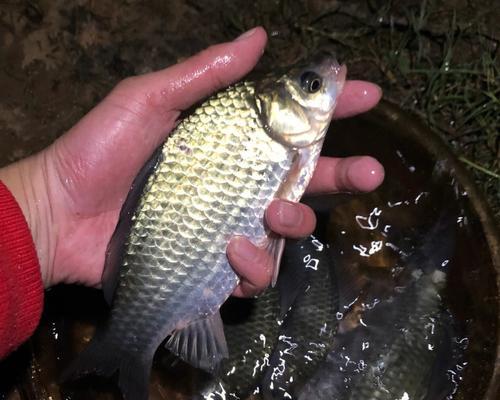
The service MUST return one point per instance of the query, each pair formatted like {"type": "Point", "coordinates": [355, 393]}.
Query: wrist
{"type": "Point", "coordinates": [27, 180]}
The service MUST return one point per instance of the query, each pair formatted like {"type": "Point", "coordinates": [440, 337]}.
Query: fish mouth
{"type": "Point", "coordinates": [334, 77]}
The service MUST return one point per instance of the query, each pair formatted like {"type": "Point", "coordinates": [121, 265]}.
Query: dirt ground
{"type": "Point", "coordinates": [438, 59]}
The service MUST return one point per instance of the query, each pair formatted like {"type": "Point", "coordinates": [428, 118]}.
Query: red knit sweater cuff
{"type": "Point", "coordinates": [21, 288]}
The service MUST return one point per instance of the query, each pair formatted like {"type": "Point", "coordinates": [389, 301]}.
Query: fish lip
{"type": "Point", "coordinates": [327, 65]}
{"type": "Point", "coordinates": [341, 77]}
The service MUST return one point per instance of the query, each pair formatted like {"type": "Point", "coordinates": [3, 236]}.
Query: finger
{"type": "Point", "coordinates": [352, 174]}
{"type": "Point", "coordinates": [293, 220]}
{"type": "Point", "coordinates": [114, 140]}
{"type": "Point", "coordinates": [178, 87]}
{"type": "Point", "coordinates": [357, 97]}
{"type": "Point", "coordinates": [252, 264]}
{"type": "Point", "coordinates": [147, 106]}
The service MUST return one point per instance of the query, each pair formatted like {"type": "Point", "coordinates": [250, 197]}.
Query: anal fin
{"type": "Point", "coordinates": [202, 343]}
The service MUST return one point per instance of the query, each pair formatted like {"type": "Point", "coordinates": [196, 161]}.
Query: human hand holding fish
{"type": "Point", "coordinates": [101, 202]}
{"type": "Point", "coordinates": [71, 192]}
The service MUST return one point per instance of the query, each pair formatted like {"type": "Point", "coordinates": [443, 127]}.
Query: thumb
{"type": "Point", "coordinates": [151, 99]}
{"type": "Point", "coordinates": [178, 87]}
{"type": "Point", "coordinates": [114, 140]}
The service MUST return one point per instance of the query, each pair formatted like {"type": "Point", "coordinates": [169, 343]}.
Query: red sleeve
{"type": "Point", "coordinates": [21, 288]}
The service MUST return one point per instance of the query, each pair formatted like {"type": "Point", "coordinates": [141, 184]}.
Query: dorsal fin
{"type": "Point", "coordinates": [115, 249]}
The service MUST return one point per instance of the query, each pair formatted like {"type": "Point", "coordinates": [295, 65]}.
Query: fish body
{"type": "Point", "coordinates": [252, 328]}
{"type": "Point", "coordinates": [309, 302]}
{"type": "Point", "coordinates": [166, 272]}
{"type": "Point", "coordinates": [285, 333]}
{"type": "Point", "coordinates": [401, 346]}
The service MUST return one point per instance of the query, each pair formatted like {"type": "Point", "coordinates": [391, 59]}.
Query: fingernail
{"type": "Point", "coordinates": [245, 249]}
{"type": "Point", "coordinates": [289, 214]}
{"type": "Point", "coordinates": [245, 35]}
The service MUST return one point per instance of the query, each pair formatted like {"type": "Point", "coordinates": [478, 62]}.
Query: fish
{"type": "Point", "coordinates": [402, 344]}
{"type": "Point", "coordinates": [285, 333]}
{"type": "Point", "coordinates": [310, 301]}
{"type": "Point", "coordinates": [252, 328]}
{"type": "Point", "coordinates": [166, 271]}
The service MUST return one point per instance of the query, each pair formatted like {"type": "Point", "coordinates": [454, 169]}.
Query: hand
{"type": "Point", "coordinates": [71, 193]}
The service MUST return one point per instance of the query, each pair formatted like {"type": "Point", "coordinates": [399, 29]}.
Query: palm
{"type": "Point", "coordinates": [95, 164]}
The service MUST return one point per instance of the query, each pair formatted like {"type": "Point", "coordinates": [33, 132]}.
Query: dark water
{"type": "Point", "coordinates": [421, 182]}
{"type": "Point", "coordinates": [373, 233]}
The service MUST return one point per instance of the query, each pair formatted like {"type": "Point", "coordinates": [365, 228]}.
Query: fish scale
{"type": "Point", "coordinates": [217, 195]}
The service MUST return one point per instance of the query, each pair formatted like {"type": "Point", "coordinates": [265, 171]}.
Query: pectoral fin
{"type": "Point", "coordinates": [202, 343]}
{"type": "Point", "coordinates": [275, 248]}
{"type": "Point", "coordinates": [293, 279]}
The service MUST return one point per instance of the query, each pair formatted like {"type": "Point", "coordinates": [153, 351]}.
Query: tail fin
{"type": "Point", "coordinates": [134, 378]}
{"type": "Point", "coordinates": [102, 359]}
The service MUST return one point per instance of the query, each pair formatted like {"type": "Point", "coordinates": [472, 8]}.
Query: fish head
{"type": "Point", "coordinates": [296, 107]}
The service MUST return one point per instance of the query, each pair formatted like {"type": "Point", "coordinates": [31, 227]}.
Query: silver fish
{"type": "Point", "coordinates": [166, 270]}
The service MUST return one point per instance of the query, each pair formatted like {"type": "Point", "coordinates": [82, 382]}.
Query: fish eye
{"type": "Point", "coordinates": [310, 82]}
